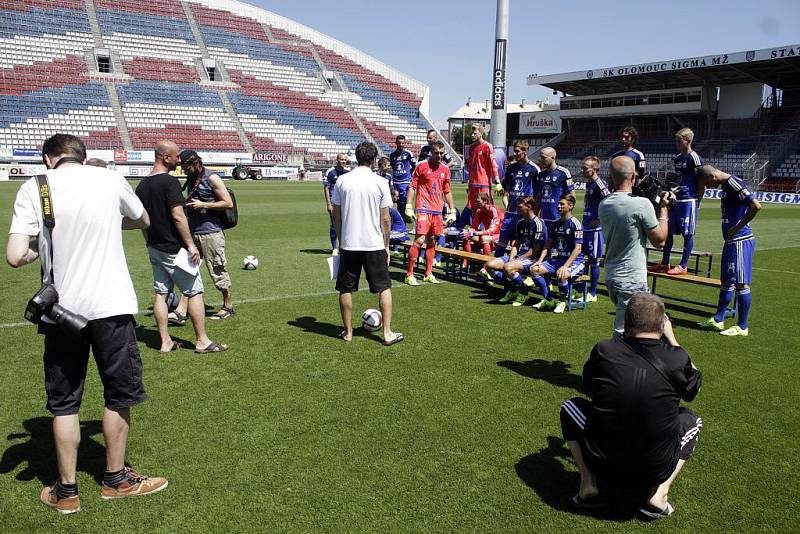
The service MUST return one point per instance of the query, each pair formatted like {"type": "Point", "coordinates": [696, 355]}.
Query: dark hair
{"type": "Point", "coordinates": [631, 131]}
{"type": "Point", "coordinates": [645, 313]}
{"type": "Point", "coordinates": [65, 145]}
{"type": "Point", "coordinates": [429, 131]}
{"type": "Point", "coordinates": [569, 197]}
{"type": "Point", "coordinates": [383, 159]}
{"type": "Point", "coordinates": [437, 144]}
{"type": "Point", "coordinates": [400, 138]}
{"type": "Point", "coordinates": [366, 153]}
{"type": "Point", "coordinates": [522, 143]}
{"type": "Point", "coordinates": [528, 200]}
{"type": "Point", "coordinates": [96, 162]}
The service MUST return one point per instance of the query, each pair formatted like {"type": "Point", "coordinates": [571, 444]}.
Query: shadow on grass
{"type": "Point", "coordinates": [311, 325]}
{"type": "Point", "coordinates": [557, 373]}
{"type": "Point", "coordinates": [35, 450]}
{"type": "Point", "coordinates": [325, 251]}
{"type": "Point", "coordinates": [152, 339]}
{"type": "Point", "coordinates": [544, 473]}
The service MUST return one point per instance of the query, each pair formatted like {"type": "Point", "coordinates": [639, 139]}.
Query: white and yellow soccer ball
{"type": "Point", "coordinates": [250, 263]}
{"type": "Point", "coordinates": [371, 320]}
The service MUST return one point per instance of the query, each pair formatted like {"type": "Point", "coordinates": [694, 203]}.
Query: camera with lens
{"type": "Point", "coordinates": [45, 304]}
{"type": "Point", "coordinates": [653, 189]}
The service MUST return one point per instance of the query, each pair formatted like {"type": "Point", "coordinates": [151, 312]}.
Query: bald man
{"type": "Point", "coordinates": [628, 222]}
{"type": "Point", "coordinates": [328, 183]}
{"type": "Point", "coordinates": [160, 193]}
{"type": "Point", "coordinates": [552, 183]}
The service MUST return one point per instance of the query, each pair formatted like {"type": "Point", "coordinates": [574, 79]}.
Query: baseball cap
{"type": "Point", "coordinates": [188, 155]}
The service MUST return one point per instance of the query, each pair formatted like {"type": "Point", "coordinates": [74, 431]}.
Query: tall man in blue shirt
{"type": "Point", "coordinates": [683, 218]}
{"type": "Point", "coordinates": [739, 207]}
{"type": "Point", "coordinates": [628, 136]}
{"type": "Point", "coordinates": [403, 164]}
{"type": "Point", "coordinates": [596, 190]}
{"type": "Point", "coordinates": [519, 182]}
{"type": "Point", "coordinates": [553, 182]}
{"type": "Point", "coordinates": [328, 183]}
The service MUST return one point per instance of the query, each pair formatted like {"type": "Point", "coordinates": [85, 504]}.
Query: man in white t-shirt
{"type": "Point", "coordinates": [90, 206]}
{"type": "Point", "coordinates": [361, 202]}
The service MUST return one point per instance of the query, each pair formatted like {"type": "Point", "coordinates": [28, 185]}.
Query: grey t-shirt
{"type": "Point", "coordinates": [625, 220]}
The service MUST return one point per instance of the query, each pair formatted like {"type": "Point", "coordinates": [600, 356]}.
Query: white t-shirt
{"type": "Point", "coordinates": [89, 267]}
{"type": "Point", "coordinates": [361, 194]}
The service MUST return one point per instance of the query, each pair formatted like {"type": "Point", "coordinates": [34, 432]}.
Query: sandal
{"type": "Point", "coordinates": [212, 347]}
{"type": "Point", "coordinates": [398, 337]}
{"type": "Point", "coordinates": [174, 318]}
{"type": "Point", "coordinates": [343, 336]}
{"type": "Point", "coordinates": [175, 346]}
{"type": "Point", "coordinates": [651, 513]}
{"type": "Point", "coordinates": [223, 313]}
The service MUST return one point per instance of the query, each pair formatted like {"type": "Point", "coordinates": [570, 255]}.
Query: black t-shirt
{"type": "Point", "coordinates": [160, 193]}
{"type": "Point", "coordinates": [633, 425]}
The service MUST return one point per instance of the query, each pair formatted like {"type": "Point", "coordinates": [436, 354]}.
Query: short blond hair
{"type": "Point", "coordinates": [479, 128]}
{"type": "Point", "coordinates": [686, 134]}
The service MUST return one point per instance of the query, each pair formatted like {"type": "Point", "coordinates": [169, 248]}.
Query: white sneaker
{"type": "Point", "coordinates": [430, 279]}
{"type": "Point", "coordinates": [483, 274]}
{"type": "Point", "coordinates": [561, 307]}
{"type": "Point", "coordinates": [736, 330]}
{"type": "Point", "coordinates": [542, 304]}
{"type": "Point", "coordinates": [591, 298]}
{"type": "Point", "coordinates": [412, 281]}
{"type": "Point", "coordinates": [335, 252]}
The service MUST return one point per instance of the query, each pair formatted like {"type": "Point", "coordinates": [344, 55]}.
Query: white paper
{"type": "Point", "coordinates": [333, 265]}
{"type": "Point", "coordinates": [184, 263]}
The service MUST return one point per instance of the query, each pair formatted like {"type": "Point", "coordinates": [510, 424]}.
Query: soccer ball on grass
{"type": "Point", "coordinates": [250, 263]}
{"type": "Point", "coordinates": [371, 320]}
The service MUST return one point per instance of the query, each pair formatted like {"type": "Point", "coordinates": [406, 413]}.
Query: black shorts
{"type": "Point", "coordinates": [375, 265]}
{"type": "Point", "coordinates": [113, 342]}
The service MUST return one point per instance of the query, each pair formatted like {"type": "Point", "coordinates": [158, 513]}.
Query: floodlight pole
{"type": "Point", "coordinates": [497, 133]}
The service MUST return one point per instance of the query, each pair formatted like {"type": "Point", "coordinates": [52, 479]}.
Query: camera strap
{"type": "Point", "coordinates": [46, 235]}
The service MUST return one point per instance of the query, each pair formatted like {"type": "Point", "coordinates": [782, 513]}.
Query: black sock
{"type": "Point", "coordinates": [66, 490]}
{"type": "Point", "coordinates": [114, 478]}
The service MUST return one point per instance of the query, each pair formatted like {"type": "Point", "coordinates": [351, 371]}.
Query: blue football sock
{"type": "Point", "coordinates": [563, 289]}
{"type": "Point", "coordinates": [333, 237]}
{"type": "Point", "coordinates": [688, 246]}
{"type": "Point", "coordinates": [595, 277]}
{"type": "Point", "coordinates": [499, 277]}
{"type": "Point", "coordinates": [544, 287]}
{"type": "Point", "coordinates": [725, 296]}
{"type": "Point", "coordinates": [516, 280]}
{"type": "Point", "coordinates": [743, 301]}
{"type": "Point", "coordinates": [667, 249]}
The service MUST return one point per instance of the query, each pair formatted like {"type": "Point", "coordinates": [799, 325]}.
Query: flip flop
{"type": "Point", "coordinates": [398, 337]}
{"type": "Point", "coordinates": [212, 347]}
{"type": "Point", "coordinates": [592, 503]}
{"type": "Point", "coordinates": [176, 319]}
{"type": "Point", "coordinates": [342, 335]}
{"type": "Point", "coordinates": [175, 346]}
{"type": "Point", "coordinates": [223, 313]}
{"type": "Point", "coordinates": [651, 513]}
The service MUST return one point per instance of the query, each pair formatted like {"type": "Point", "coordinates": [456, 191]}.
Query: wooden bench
{"type": "Point", "coordinates": [690, 279]}
{"type": "Point", "coordinates": [695, 255]}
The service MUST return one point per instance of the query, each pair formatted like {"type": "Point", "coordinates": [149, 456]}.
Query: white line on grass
{"type": "Point", "coordinates": [774, 271]}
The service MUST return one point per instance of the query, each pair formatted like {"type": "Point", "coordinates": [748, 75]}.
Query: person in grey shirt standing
{"type": "Point", "coordinates": [628, 222]}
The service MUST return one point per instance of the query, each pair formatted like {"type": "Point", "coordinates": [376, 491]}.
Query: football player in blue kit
{"type": "Point", "coordinates": [565, 260]}
{"type": "Point", "coordinates": [403, 164]}
{"type": "Point", "coordinates": [518, 182]}
{"type": "Point", "coordinates": [328, 183]}
{"type": "Point", "coordinates": [553, 182]}
{"type": "Point", "coordinates": [628, 136]}
{"type": "Point", "coordinates": [739, 207]}
{"type": "Point", "coordinates": [425, 151]}
{"type": "Point", "coordinates": [508, 270]}
{"type": "Point", "coordinates": [683, 217]}
{"type": "Point", "coordinates": [596, 190]}
{"type": "Point", "coordinates": [385, 170]}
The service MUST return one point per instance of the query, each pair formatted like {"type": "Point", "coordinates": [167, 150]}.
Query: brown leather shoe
{"type": "Point", "coordinates": [67, 505]}
{"type": "Point", "coordinates": [134, 484]}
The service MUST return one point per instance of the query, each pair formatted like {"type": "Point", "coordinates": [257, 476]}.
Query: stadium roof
{"type": "Point", "coordinates": [772, 66]}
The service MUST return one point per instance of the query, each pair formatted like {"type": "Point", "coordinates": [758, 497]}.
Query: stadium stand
{"type": "Point", "coordinates": [222, 76]}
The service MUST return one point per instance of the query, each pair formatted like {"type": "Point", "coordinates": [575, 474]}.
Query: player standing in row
{"type": "Point", "coordinates": [553, 182]}
{"type": "Point", "coordinates": [431, 180]}
{"type": "Point", "coordinates": [566, 259]}
{"type": "Point", "coordinates": [628, 136]}
{"type": "Point", "coordinates": [519, 182]}
{"type": "Point", "coordinates": [331, 177]}
{"type": "Point", "coordinates": [482, 170]}
{"type": "Point", "coordinates": [426, 151]}
{"type": "Point", "coordinates": [683, 217]}
{"type": "Point", "coordinates": [739, 207]}
{"type": "Point", "coordinates": [403, 164]}
{"type": "Point", "coordinates": [596, 190]}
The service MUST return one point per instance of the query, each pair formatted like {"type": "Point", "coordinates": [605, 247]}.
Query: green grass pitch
{"type": "Point", "coordinates": [456, 429]}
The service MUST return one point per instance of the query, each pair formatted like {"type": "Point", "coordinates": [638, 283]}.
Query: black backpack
{"type": "Point", "coordinates": [230, 217]}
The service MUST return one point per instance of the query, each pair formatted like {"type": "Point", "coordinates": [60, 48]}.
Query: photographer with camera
{"type": "Point", "coordinates": [628, 223]}
{"type": "Point", "coordinates": [87, 302]}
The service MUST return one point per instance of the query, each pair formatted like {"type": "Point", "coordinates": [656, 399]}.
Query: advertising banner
{"type": "Point", "coordinates": [540, 122]}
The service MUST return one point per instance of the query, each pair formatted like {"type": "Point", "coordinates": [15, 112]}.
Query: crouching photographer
{"type": "Point", "coordinates": [72, 218]}
{"type": "Point", "coordinates": [628, 222]}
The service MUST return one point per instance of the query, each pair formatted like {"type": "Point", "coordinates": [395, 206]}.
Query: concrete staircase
{"type": "Point", "coordinates": [119, 117]}
{"type": "Point", "coordinates": [92, 12]}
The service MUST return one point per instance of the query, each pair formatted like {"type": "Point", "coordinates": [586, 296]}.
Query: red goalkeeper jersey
{"type": "Point", "coordinates": [490, 219]}
{"type": "Point", "coordinates": [430, 184]}
{"type": "Point", "coordinates": [482, 165]}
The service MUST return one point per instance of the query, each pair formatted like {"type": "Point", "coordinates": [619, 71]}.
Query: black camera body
{"type": "Point", "coordinates": [654, 189]}
{"type": "Point", "coordinates": [45, 304]}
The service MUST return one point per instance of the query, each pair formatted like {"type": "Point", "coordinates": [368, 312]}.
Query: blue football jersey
{"type": "Point", "coordinates": [734, 203]}
{"type": "Point", "coordinates": [686, 167]}
{"type": "Point", "coordinates": [565, 235]}
{"type": "Point", "coordinates": [596, 191]}
{"type": "Point", "coordinates": [529, 233]}
{"type": "Point", "coordinates": [550, 185]}
{"type": "Point", "coordinates": [520, 180]}
{"type": "Point", "coordinates": [425, 154]}
{"type": "Point", "coordinates": [398, 224]}
{"type": "Point", "coordinates": [637, 156]}
{"type": "Point", "coordinates": [331, 176]}
{"type": "Point", "coordinates": [402, 165]}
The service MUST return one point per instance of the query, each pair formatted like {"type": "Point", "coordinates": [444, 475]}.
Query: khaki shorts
{"type": "Point", "coordinates": [212, 248]}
